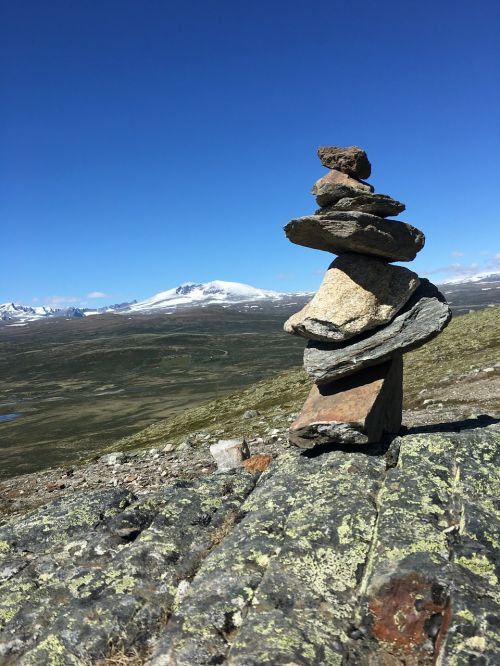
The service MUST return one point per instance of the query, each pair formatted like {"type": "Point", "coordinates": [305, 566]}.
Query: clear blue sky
{"type": "Point", "coordinates": [148, 143]}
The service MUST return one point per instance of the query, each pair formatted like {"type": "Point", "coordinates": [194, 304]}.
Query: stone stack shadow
{"type": "Point", "coordinates": [367, 312]}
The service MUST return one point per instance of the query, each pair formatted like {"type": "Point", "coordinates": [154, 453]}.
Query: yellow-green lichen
{"type": "Point", "coordinates": [479, 565]}
{"type": "Point", "coordinates": [4, 547]}
{"type": "Point", "coordinates": [78, 585]}
{"type": "Point", "coordinates": [465, 614]}
{"type": "Point", "coordinates": [50, 652]}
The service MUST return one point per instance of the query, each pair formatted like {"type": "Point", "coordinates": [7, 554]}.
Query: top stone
{"type": "Point", "coordinates": [351, 160]}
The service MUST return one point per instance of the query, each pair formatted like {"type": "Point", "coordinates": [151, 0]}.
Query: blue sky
{"type": "Point", "coordinates": [145, 144]}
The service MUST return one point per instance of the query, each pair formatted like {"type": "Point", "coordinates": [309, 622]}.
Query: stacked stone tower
{"type": "Point", "coordinates": [367, 311]}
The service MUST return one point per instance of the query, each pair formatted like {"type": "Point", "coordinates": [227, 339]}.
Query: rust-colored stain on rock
{"type": "Point", "coordinates": [408, 614]}
{"type": "Point", "coordinates": [257, 463]}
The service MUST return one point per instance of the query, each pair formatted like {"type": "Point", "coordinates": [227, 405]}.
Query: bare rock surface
{"type": "Point", "coordinates": [336, 185]}
{"type": "Point", "coordinates": [354, 410]}
{"type": "Point", "coordinates": [353, 231]}
{"type": "Point", "coordinates": [422, 318]}
{"type": "Point", "coordinates": [384, 555]}
{"type": "Point", "coordinates": [351, 160]}
{"type": "Point", "coordinates": [357, 293]}
{"type": "Point", "coordinates": [376, 204]}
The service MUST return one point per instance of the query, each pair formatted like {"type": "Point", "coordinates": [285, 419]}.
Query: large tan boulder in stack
{"type": "Point", "coordinates": [367, 312]}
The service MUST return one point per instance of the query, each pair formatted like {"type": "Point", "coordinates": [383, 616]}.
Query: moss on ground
{"type": "Point", "coordinates": [470, 343]}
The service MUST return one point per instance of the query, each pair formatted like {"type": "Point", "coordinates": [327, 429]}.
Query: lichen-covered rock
{"type": "Point", "coordinates": [102, 569]}
{"type": "Point", "coordinates": [422, 318]}
{"type": "Point", "coordinates": [354, 231]}
{"type": "Point", "coordinates": [305, 534]}
{"type": "Point", "coordinates": [357, 293]}
{"type": "Point", "coordinates": [430, 589]}
{"type": "Point", "coordinates": [341, 557]}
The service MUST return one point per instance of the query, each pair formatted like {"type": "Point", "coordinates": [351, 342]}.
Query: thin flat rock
{"type": "Point", "coordinates": [424, 316]}
{"type": "Point", "coordinates": [335, 185]}
{"type": "Point", "coordinates": [353, 410]}
{"type": "Point", "coordinates": [376, 204]}
{"type": "Point", "coordinates": [357, 232]}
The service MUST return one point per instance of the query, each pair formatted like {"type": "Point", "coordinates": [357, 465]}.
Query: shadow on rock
{"type": "Point", "coordinates": [480, 421]}
{"type": "Point", "coordinates": [376, 449]}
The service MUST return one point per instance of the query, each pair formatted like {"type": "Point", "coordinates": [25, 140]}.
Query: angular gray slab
{"type": "Point", "coordinates": [357, 232]}
{"type": "Point", "coordinates": [423, 317]}
{"type": "Point", "coordinates": [376, 204]}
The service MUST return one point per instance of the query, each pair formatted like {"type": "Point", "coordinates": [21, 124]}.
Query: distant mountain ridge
{"type": "Point", "coordinates": [475, 291]}
{"type": "Point", "coordinates": [10, 311]}
{"type": "Point", "coordinates": [188, 294]}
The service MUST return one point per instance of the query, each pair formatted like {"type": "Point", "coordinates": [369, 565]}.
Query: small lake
{"type": "Point", "coordinates": [8, 417]}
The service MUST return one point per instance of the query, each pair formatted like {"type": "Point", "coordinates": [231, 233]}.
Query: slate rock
{"type": "Point", "coordinates": [357, 232]}
{"type": "Point", "coordinates": [359, 556]}
{"type": "Point", "coordinates": [339, 560]}
{"type": "Point", "coordinates": [356, 409]}
{"type": "Point", "coordinates": [336, 185]}
{"type": "Point", "coordinates": [351, 160]}
{"type": "Point", "coordinates": [423, 317]}
{"type": "Point", "coordinates": [357, 293]}
{"type": "Point", "coordinates": [376, 204]}
{"type": "Point", "coordinates": [100, 570]}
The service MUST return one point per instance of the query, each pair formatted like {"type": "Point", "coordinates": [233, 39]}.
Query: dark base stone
{"type": "Point", "coordinates": [356, 409]}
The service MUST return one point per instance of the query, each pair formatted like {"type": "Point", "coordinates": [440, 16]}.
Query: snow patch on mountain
{"type": "Point", "coordinates": [479, 277]}
{"type": "Point", "coordinates": [209, 293]}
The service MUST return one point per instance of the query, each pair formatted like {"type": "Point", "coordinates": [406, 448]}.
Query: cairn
{"type": "Point", "coordinates": [367, 312]}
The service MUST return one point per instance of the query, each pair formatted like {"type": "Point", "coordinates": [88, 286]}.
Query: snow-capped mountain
{"type": "Point", "coordinates": [480, 277]}
{"type": "Point", "coordinates": [210, 293]}
{"type": "Point", "coordinates": [480, 290]}
{"type": "Point", "coordinates": [24, 313]}
{"type": "Point", "coordinates": [189, 294]}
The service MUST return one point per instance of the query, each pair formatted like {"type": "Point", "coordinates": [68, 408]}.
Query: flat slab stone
{"type": "Point", "coordinates": [351, 160]}
{"type": "Point", "coordinates": [376, 204]}
{"type": "Point", "coordinates": [423, 317]}
{"type": "Point", "coordinates": [353, 410]}
{"type": "Point", "coordinates": [335, 185]}
{"type": "Point", "coordinates": [357, 232]}
{"type": "Point", "coordinates": [357, 293]}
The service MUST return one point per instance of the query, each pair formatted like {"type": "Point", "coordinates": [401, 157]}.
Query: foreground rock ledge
{"type": "Point", "coordinates": [343, 558]}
